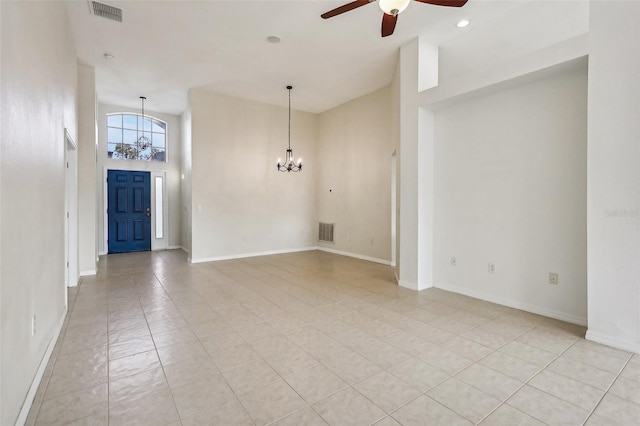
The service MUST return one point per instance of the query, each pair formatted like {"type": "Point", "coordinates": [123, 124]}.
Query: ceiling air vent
{"type": "Point", "coordinates": [106, 11]}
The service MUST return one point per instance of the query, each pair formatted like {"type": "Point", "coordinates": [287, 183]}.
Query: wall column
{"type": "Point", "coordinates": [613, 175]}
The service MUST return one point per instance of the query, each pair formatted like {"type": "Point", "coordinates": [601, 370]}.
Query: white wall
{"type": "Point", "coordinates": [510, 188]}
{"type": "Point", "coordinates": [87, 182]}
{"type": "Point", "coordinates": [354, 161]}
{"type": "Point", "coordinates": [241, 204]}
{"type": "Point", "coordinates": [614, 174]}
{"type": "Point", "coordinates": [173, 221]}
{"type": "Point", "coordinates": [38, 93]}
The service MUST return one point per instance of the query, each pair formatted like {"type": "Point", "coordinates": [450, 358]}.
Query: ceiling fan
{"type": "Point", "coordinates": [391, 9]}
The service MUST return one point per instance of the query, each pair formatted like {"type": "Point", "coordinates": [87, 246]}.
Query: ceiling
{"type": "Point", "coordinates": [164, 48]}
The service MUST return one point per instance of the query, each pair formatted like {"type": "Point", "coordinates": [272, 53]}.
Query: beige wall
{"type": "Point", "coordinates": [185, 176]}
{"type": "Point", "coordinates": [510, 189]}
{"type": "Point", "coordinates": [240, 203]}
{"type": "Point", "coordinates": [38, 92]}
{"type": "Point", "coordinates": [354, 175]}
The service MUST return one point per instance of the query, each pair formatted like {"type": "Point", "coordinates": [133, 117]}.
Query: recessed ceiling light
{"type": "Point", "coordinates": [273, 39]}
{"type": "Point", "coordinates": [108, 56]}
{"type": "Point", "coordinates": [462, 23]}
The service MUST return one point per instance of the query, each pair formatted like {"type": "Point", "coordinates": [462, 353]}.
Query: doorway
{"type": "Point", "coordinates": [71, 211]}
{"type": "Point", "coordinates": [394, 182]}
{"type": "Point", "coordinates": [128, 211]}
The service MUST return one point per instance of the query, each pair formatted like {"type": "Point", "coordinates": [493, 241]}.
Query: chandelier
{"type": "Point", "coordinates": [289, 164]}
{"type": "Point", "coordinates": [143, 142]}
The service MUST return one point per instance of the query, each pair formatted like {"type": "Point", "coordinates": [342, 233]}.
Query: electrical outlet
{"type": "Point", "coordinates": [33, 325]}
{"type": "Point", "coordinates": [492, 268]}
{"type": "Point", "coordinates": [453, 261]}
{"type": "Point", "coordinates": [553, 278]}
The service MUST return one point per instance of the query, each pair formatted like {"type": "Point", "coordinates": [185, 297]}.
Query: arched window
{"type": "Point", "coordinates": [129, 137]}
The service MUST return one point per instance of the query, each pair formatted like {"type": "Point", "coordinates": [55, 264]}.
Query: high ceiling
{"type": "Point", "coordinates": [163, 48]}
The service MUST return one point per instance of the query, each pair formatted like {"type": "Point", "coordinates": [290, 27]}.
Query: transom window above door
{"type": "Point", "coordinates": [132, 137]}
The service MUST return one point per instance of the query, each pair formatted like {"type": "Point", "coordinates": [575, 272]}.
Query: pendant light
{"type": "Point", "coordinates": [289, 164]}
{"type": "Point", "coordinates": [143, 142]}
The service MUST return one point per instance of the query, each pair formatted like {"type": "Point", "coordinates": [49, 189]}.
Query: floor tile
{"type": "Point", "coordinates": [73, 406]}
{"type": "Point", "coordinates": [271, 402]}
{"type": "Point", "coordinates": [157, 408]}
{"type": "Point", "coordinates": [315, 383]}
{"type": "Point", "coordinates": [510, 366]}
{"type": "Point", "coordinates": [303, 417]}
{"type": "Point", "coordinates": [201, 394]}
{"type": "Point", "coordinates": [469, 402]}
{"type": "Point", "coordinates": [528, 353]}
{"type": "Point", "coordinates": [445, 360]}
{"type": "Point", "coordinates": [123, 367]}
{"type": "Point", "coordinates": [577, 393]}
{"type": "Point", "coordinates": [618, 411]}
{"type": "Point", "coordinates": [489, 381]}
{"type": "Point", "coordinates": [348, 407]}
{"type": "Point", "coordinates": [419, 374]}
{"type": "Point", "coordinates": [425, 411]}
{"type": "Point", "coordinates": [137, 385]}
{"type": "Point", "coordinates": [387, 391]}
{"type": "Point", "coordinates": [179, 352]}
{"type": "Point", "coordinates": [626, 389]}
{"type": "Point", "coordinates": [250, 376]}
{"type": "Point", "coordinates": [583, 373]}
{"type": "Point", "coordinates": [547, 408]}
{"type": "Point", "coordinates": [506, 415]}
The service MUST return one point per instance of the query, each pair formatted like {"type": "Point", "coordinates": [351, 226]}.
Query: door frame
{"type": "Point", "coordinates": [70, 165]}
{"type": "Point", "coordinates": [156, 244]}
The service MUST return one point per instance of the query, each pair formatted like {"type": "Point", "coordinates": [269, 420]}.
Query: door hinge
{"type": "Point", "coordinates": [67, 215]}
{"type": "Point", "coordinates": [67, 264]}
{"type": "Point", "coordinates": [67, 164]}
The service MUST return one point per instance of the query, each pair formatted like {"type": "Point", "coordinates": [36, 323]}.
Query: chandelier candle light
{"type": "Point", "coordinates": [289, 164]}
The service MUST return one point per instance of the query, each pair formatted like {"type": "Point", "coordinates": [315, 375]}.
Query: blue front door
{"type": "Point", "coordinates": [129, 211]}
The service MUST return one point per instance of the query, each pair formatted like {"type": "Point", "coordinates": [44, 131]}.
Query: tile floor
{"type": "Point", "coordinates": [152, 340]}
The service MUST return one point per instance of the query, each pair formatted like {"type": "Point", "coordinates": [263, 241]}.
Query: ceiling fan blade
{"type": "Point", "coordinates": [388, 24]}
{"type": "Point", "coordinates": [450, 3]}
{"type": "Point", "coordinates": [345, 8]}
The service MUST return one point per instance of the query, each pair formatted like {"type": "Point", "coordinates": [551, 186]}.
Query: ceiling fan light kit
{"type": "Point", "coordinates": [391, 9]}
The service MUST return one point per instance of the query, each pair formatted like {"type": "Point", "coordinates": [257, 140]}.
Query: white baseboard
{"type": "Point", "coordinates": [88, 273]}
{"type": "Point", "coordinates": [357, 256]}
{"type": "Point", "coordinates": [412, 285]}
{"type": "Point", "coordinates": [175, 247]}
{"type": "Point", "coordinates": [624, 344]}
{"type": "Point", "coordinates": [101, 253]}
{"type": "Point", "coordinates": [28, 401]}
{"type": "Point", "coordinates": [244, 255]}
{"type": "Point", "coordinates": [562, 316]}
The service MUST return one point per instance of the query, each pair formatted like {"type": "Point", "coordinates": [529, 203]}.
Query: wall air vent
{"type": "Point", "coordinates": [106, 11]}
{"type": "Point", "coordinates": [325, 232]}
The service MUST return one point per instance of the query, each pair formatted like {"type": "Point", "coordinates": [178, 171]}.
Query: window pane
{"type": "Point", "coordinates": [159, 203]}
{"type": "Point", "coordinates": [158, 126]}
{"type": "Point", "coordinates": [130, 136]}
{"type": "Point", "coordinates": [130, 121]}
{"type": "Point", "coordinates": [114, 135]}
{"type": "Point", "coordinates": [158, 140]}
{"type": "Point", "coordinates": [111, 147]}
{"type": "Point", "coordinates": [159, 155]}
{"type": "Point", "coordinates": [114, 120]}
